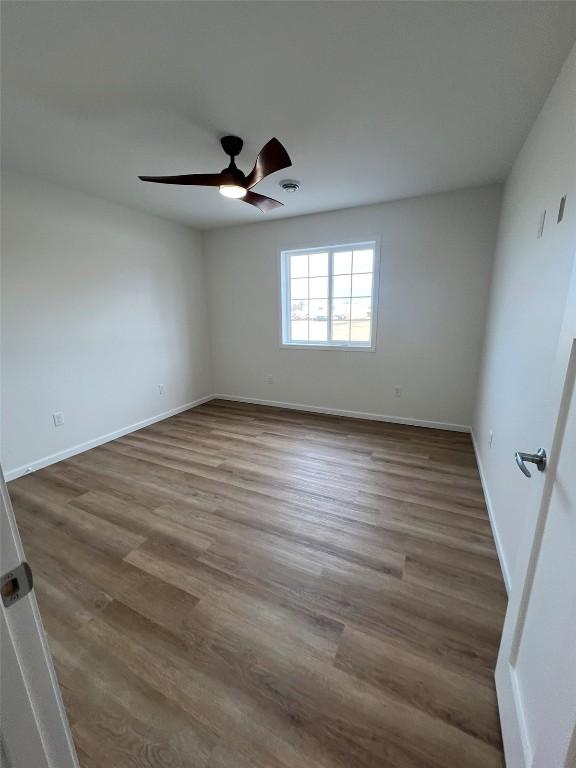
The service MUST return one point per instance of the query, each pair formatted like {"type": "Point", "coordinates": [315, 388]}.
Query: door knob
{"type": "Point", "coordinates": [538, 458]}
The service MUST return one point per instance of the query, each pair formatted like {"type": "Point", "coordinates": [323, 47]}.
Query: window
{"type": "Point", "coordinates": [328, 296]}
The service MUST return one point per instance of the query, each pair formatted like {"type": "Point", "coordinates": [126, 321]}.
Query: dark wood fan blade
{"type": "Point", "coordinates": [273, 157]}
{"type": "Point", "coordinates": [191, 180]}
{"type": "Point", "coordinates": [262, 202]}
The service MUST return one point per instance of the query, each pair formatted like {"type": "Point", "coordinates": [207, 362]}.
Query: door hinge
{"type": "Point", "coordinates": [16, 584]}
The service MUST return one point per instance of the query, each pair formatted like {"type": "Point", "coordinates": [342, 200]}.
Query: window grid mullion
{"type": "Point", "coordinates": [330, 267]}
{"type": "Point", "coordinates": [308, 302]}
{"type": "Point", "coordinates": [287, 290]}
{"type": "Point", "coordinates": [351, 291]}
{"type": "Point", "coordinates": [350, 318]}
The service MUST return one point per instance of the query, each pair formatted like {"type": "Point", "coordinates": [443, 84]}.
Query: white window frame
{"type": "Point", "coordinates": [284, 299]}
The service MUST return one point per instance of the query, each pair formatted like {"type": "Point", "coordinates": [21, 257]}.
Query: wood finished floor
{"type": "Point", "coordinates": [248, 587]}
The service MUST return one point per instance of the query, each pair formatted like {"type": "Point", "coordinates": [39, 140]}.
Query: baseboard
{"type": "Point", "coordinates": [349, 414]}
{"type": "Point", "coordinates": [490, 508]}
{"type": "Point", "coordinates": [25, 469]}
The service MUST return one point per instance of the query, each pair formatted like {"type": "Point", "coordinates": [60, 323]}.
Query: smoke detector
{"type": "Point", "coordinates": [290, 185]}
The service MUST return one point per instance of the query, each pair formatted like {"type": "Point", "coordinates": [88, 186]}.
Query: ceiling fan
{"type": "Point", "coordinates": [232, 182]}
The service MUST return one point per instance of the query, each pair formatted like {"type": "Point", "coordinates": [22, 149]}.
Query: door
{"type": "Point", "coordinates": [33, 725]}
{"type": "Point", "coordinates": [536, 670]}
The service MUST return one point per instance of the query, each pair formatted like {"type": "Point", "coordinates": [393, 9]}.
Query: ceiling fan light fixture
{"type": "Point", "coordinates": [232, 190]}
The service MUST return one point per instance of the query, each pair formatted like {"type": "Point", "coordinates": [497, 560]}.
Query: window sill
{"type": "Point", "coordinates": [328, 347]}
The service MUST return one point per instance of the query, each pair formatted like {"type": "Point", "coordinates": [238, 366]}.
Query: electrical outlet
{"type": "Point", "coordinates": [490, 439]}
{"type": "Point", "coordinates": [58, 418]}
{"type": "Point", "coordinates": [269, 379]}
{"type": "Point", "coordinates": [397, 391]}
{"type": "Point", "coordinates": [161, 389]}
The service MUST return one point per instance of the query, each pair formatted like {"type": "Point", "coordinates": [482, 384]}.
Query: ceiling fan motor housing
{"type": "Point", "coordinates": [232, 176]}
{"type": "Point", "coordinates": [232, 145]}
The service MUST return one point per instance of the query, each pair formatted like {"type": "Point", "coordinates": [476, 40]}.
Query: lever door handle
{"type": "Point", "coordinates": [538, 458]}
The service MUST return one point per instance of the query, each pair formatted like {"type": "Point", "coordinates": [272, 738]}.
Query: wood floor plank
{"type": "Point", "coordinates": [116, 707]}
{"type": "Point", "coordinates": [208, 695]}
{"type": "Point", "coordinates": [242, 586]}
{"type": "Point", "coordinates": [450, 580]}
{"type": "Point", "coordinates": [427, 685]}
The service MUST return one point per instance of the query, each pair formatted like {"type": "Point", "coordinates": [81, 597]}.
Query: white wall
{"type": "Point", "coordinates": [434, 279]}
{"type": "Point", "coordinates": [100, 304]}
{"type": "Point", "coordinates": [527, 302]}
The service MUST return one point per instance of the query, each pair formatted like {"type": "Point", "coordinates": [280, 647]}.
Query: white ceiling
{"type": "Point", "coordinates": [374, 101]}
